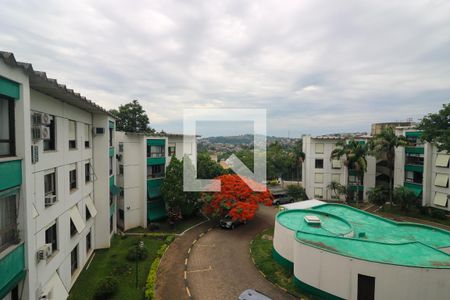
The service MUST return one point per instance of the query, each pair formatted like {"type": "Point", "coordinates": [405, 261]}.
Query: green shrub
{"type": "Point", "coordinates": [151, 278]}
{"type": "Point", "coordinates": [438, 214]}
{"type": "Point", "coordinates": [107, 287]}
{"type": "Point", "coordinates": [169, 239]}
{"type": "Point", "coordinates": [137, 253]}
{"type": "Point", "coordinates": [377, 195]}
{"type": "Point", "coordinates": [297, 192]}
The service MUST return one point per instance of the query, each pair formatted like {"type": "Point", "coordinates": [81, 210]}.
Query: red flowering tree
{"type": "Point", "coordinates": [236, 199]}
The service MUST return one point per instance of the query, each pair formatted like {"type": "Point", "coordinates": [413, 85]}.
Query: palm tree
{"type": "Point", "coordinates": [383, 147]}
{"type": "Point", "coordinates": [355, 156]}
{"type": "Point", "coordinates": [336, 188]}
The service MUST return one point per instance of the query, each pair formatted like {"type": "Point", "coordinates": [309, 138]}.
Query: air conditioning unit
{"type": "Point", "coordinates": [50, 200]}
{"type": "Point", "coordinates": [45, 133]}
{"type": "Point", "coordinates": [34, 154]}
{"type": "Point", "coordinates": [44, 252]}
{"type": "Point", "coordinates": [36, 119]}
{"type": "Point", "coordinates": [46, 119]}
{"type": "Point", "coordinates": [99, 130]}
{"type": "Point", "coordinates": [36, 133]}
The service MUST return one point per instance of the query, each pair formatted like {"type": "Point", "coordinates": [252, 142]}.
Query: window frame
{"type": "Point", "coordinates": [73, 142]}
{"type": "Point", "coordinates": [74, 260]}
{"type": "Point", "coordinates": [50, 144]}
{"type": "Point", "coordinates": [11, 122]}
{"type": "Point", "coordinates": [316, 161]}
{"type": "Point", "coordinates": [75, 180]}
{"type": "Point", "coordinates": [87, 172]}
{"type": "Point", "coordinates": [54, 237]}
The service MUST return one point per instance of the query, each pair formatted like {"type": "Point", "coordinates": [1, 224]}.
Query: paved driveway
{"type": "Point", "coordinates": [220, 266]}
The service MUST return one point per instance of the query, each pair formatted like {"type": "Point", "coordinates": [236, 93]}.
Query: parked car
{"type": "Point", "coordinates": [282, 199]}
{"type": "Point", "coordinates": [251, 294]}
{"type": "Point", "coordinates": [228, 223]}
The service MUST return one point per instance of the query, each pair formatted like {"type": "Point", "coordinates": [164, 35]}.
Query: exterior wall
{"type": "Point", "coordinates": [133, 180]}
{"type": "Point", "coordinates": [338, 275]}
{"type": "Point", "coordinates": [185, 145]}
{"type": "Point", "coordinates": [429, 196]}
{"type": "Point", "coordinates": [283, 241]}
{"type": "Point", "coordinates": [309, 171]}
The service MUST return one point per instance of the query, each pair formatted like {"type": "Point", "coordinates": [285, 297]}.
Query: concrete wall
{"type": "Point", "coordinates": [283, 241]}
{"type": "Point", "coordinates": [338, 275]}
{"type": "Point", "coordinates": [185, 145]}
{"type": "Point", "coordinates": [433, 170]}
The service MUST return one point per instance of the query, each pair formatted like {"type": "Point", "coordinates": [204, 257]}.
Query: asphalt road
{"type": "Point", "coordinates": [220, 266]}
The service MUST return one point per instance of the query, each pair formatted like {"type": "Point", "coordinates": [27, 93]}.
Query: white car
{"type": "Point", "coordinates": [251, 294]}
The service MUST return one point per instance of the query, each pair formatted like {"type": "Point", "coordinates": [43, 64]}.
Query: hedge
{"type": "Point", "coordinates": [151, 279]}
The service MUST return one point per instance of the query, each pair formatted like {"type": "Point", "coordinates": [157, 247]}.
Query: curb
{"type": "Point", "coordinates": [264, 275]}
{"type": "Point", "coordinates": [186, 261]}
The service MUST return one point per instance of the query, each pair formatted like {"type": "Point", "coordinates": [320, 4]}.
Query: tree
{"type": "Point", "coordinates": [355, 154]}
{"type": "Point", "coordinates": [336, 188]}
{"type": "Point", "coordinates": [298, 158]}
{"type": "Point", "coordinates": [377, 196]}
{"type": "Point", "coordinates": [207, 168]}
{"type": "Point", "coordinates": [383, 146]}
{"type": "Point", "coordinates": [404, 197]}
{"type": "Point", "coordinates": [436, 128]}
{"type": "Point", "coordinates": [235, 199]}
{"type": "Point", "coordinates": [131, 117]}
{"type": "Point", "coordinates": [180, 204]}
{"type": "Point", "coordinates": [297, 192]}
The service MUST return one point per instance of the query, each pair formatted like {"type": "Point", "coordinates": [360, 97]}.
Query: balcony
{"type": "Point", "coordinates": [12, 268]}
{"type": "Point", "coordinates": [151, 161]}
{"type": "Point", "coordinates": [10, 174]}
{"type": "Point", "coordinates": [415, 150]}
{"type": "Point", "coordinates": [414, 168]}
{"type": "Point", "coordinates": [154, 188]}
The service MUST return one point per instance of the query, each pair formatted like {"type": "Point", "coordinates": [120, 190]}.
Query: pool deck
{"type": "Point", "coordinates": [355, 233]}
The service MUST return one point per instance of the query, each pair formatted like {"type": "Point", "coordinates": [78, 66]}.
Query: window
{"type": "Point", "coordinates": [111, 130]}
{"type": "Point", "coordinates": [155, 151]}
{"type": "Point", "coordinates": [319, 148]}
{"type": "Point", "coordinates": [88, 213]}
{"type": "Point", "coordinates": [120, 147]}
{"type": "Point", "coordinates": [120, 169]}
{"type": "Point", "coordinates": [88, 242]}
{"type": "Point", "coordinates": [318, 193]}
{"type": "Point", "coordinates": [155, 171]}
{"type": "Point", "coordinates": [8, 221]}
{"type": "Point", "coordinates": [414, 159]}
{"type": "Point", "coordinates": [50, 188]}
{"type": "Point", "coordinates": [51, 237]}
{"type": "Point", "coordinates": [441, 180]}
{"type": "Point", "coordinates": [111, 224]}
{"type": "Point", "coordinates": [87, 136]}
{"type": "Point", "coordinates": [121, 214]}
{"type": "Point", "coordinates": [50, 144]}
{"type": "Point", "coordinates": [319, 163]}
{"type": "Point", "coordinates": [111, 165]}
{"type": "Point", "coordinates": [7, 134]}
{"type": "Point", "coordinates": [336, 178]}
{"type": "Point", "coordinates": [366, 287]}
{"type": "Point", "coordinates": [318, 178]}
{"type": "Point", "coordinates": [442, 160]}
{"type": "Point", "coordinates": [73, 229]}
{"type": "Point", "coordinates": [87, 172]}
{"type": "Point", "coordinates": [354, 180]}
{"type": "Point", "coordinates": [440, 199]}
{"type": "Point", "coordinates": [73, 179]}
{"type": "Point", "coordinates": [336, 164]}
{"type": "Point", "coordinates": [413, 177]}
{"type": "Point", "coordinates": [172, 149]}
{"type": "Point", "coordinates": [74, 259]}
{"type": "Point", "coordinates": [72, 134]}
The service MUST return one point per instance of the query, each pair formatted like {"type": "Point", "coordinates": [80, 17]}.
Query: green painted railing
{"type": "Point", "coordinates": [9, 88]}
{"type": "Point", "coordinates": [152, 161]}
{"type": "Point", "coordinates": [415, 150]}
{"type": "Point", "coordinates": [356, 188]}
{"type": "Point", "coordinates": [111, 151]}
{"type": "Point", "coordinates": [413, 133]}
{"type": "Point", "coordinates": [414, 168]}
{"type": "Point", "coordinates": [112, 209]}
{"type": "Point", "coordinates": [12, 267]}
{"type": "Point", "coordinates": [111, 124]}
{"type": "Point", "coordinates": [10, 174]}
{"type": "Point", "coordinates": [156, 142]}
{"type": "Point", "coordinates": [154, 188]}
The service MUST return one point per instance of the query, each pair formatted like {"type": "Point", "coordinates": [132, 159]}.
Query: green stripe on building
{"type": "Point", "coordinates": [315, 291]}
{"type": "Point", "coordinates": [359, 188]}
{"type": "Point", "coordinates": [413, 134]}
{"type": "Point", "coordinates": [9, 88]}
{"type": "Point", "coordinates": [415, 150]}
{"type": "Point", "coordinates": [10, 174]}
{"type": "Point", "coordinates": [154, 188]}
{"type": "Point", "coordinates": [156, 210]}
{"type": "Point", "coordinates": [111, 124]}
{"type": "Point", "coordinates": [156, 142]}
{"type": "Point", "coordinates": [13, 270]}
{"type": "Point", "coordinates": [152, 161]}
{"type": "Point", "coordinates": [415, 188]}
{"type": "Point", "coordinates": [112, 209]}
{"type": "Point", "coordinates": [111, 151]}
{"type": "Point", "coordinates": [113, 188]}
{"type": "Point", "coordinates": [414, 168]}
{"type": "Point", "coordinates": [287, 264]}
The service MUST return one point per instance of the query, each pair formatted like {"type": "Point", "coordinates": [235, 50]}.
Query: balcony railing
{"type": "Point", "coordinates": [12, 266]}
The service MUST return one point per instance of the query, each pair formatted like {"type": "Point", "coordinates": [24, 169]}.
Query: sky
{"type": "Point", "coordinates": [317, 66]}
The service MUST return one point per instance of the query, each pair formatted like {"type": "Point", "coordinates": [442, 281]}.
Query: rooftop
{"type": "Point", "coordinates": [355, 233]}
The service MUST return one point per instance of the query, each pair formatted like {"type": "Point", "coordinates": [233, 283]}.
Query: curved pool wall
{"type": "Point", "coordinates": [327, 262]}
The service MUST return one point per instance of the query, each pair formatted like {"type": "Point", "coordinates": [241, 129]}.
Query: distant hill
{"type": "Point", "coordinates": [245, 139]}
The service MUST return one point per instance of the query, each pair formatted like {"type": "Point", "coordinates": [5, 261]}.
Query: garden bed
{"type": "Point", "coordinates": [166, 228]}
{"type": "Point", "coordinates": [412, 215]}
{"type": "Point", "coordinates": [113, 262]}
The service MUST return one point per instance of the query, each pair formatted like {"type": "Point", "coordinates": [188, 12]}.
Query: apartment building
{"type": "Point", "coordinates": [319, 170]}
{"type": "Point", "coordinates": [142, 163]}
{"type": "Point", "coordinates": [421, 168]}
{"type": "Point", "coordinates": [57, 185]}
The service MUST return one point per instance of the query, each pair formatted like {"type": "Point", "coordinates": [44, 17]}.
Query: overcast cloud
{"type": "Point", "coordinates": [317, 66]}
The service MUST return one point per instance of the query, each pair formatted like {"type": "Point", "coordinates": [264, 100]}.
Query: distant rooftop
{"type": "Point", "coordinates": [355, 233]}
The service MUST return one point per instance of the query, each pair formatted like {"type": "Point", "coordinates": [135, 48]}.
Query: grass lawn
{"type": "Point", "coordinates": [413, 212]}
{"type": "Point", "coordinates": [113, 262]}
{"type": "Point", "coordinates": [164, 226]}
{"type": "Point", "coordinates": [262, 254]}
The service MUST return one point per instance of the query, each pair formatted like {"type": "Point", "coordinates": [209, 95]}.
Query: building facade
{"type": "Point", "coordinates": [55, 183]}
{"type": "Point", "coordinates": [142, 163]}
{"type": "Point", "coordinates": [319, 170]}
{"type": "Point", "coordinates": [424, 170]}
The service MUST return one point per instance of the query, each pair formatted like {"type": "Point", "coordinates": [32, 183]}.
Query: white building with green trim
{"type": "Point", "coordinates": [319, 170]}
{"type": "Point", "coordinates": [57, 183]}
{"type": "Point", "coordinates": [421, 168]}
{"type": "Point", "coordinates": [142, 163]}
